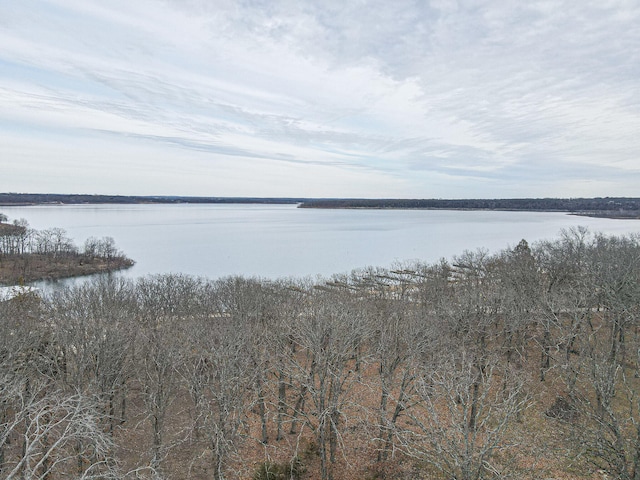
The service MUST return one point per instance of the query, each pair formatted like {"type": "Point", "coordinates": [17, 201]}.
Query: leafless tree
{"type": "Point", "coordinates": [220, 371]}
{"type": "Point", "coordinates": [45, 429]}
{"type": "Point", "coordinates": [164, 303]}
{"type": "Point", "coordinates": [328, 335]}
{"type": "Point", "coordinates": [463, 416]}
{"type": "Point", "coordinates": [15, 240]}
{"type": "Point", "coordinates": [61, 433]}
{"type": "Point", "coordinates": [566, 297]}
{"type": "Point", "coordinates": [250, 305]}
{"type": "Point", "coordinates": [101, 247]}
{"type": "Point", "coordinates": [519, 283]}
{"type": "Point", "coordinates": [397, 341]}
{"type": "Point", "coordinates": [602, 379]}
{"type": "Point", "coordinates": [290, 298]}
{"type": "Point", "coordinates": [53, 241]}
{"type": "Point", "coordinates": [95, 329]}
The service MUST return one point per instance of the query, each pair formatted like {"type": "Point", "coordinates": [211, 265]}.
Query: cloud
{"type": "Point", "coordinates": [407, 98]}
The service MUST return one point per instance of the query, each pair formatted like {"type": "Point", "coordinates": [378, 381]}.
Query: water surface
{"type": "Point", "coordinates": [283, 241]}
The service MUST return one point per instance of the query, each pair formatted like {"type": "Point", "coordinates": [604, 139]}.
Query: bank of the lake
{"type": "Point", "coordinates": [29, 268]}
{"type": "Point", "coordinates": [28, 255]}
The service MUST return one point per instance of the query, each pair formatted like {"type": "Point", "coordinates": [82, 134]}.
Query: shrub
{"type": "Point", "coordinates": [562, 409]}
{"type": "Point", "coordinates": [280, 471]}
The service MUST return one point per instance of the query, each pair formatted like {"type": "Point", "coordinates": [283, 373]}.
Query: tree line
{"type": "Point", "coordinates": [602, 206]}
{"type": "Point", "coordinates": [62, 199]}
{"type": "Point", "coordinates": [18, 238]}
{"type": "Point", "coordinates": [617, 207]}
{"type": "Point", "coordinates": [516, 364]}
{"type": "Point", "coordinates": [28, 254]}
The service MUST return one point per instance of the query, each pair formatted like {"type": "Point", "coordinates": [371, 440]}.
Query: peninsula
{"type": "Point", "coordinates": [28, 255]}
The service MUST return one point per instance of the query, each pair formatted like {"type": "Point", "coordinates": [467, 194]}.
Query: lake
{"type": "Point", "coordinates": [276, 241]}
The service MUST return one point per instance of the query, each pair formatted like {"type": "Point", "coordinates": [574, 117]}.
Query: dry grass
{"type": "Point", "coordinates": [20, 269]}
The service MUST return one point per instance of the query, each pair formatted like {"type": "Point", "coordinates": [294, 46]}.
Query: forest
{"type": "Point", "coordinates": [523, 363]}
{"type": "Point", "coordinates": [609, 207]}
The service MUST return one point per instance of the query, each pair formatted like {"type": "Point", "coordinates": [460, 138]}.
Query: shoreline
{"type": "Point", "coordinates": [29, 268]}
{"type": "Point", "coordinates": [593, 214]}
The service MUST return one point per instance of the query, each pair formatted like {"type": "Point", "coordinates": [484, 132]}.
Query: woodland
{"type": "Point", "coordinates": [523, 363]}
{"type": "Point", "coordinates": [28, 255]}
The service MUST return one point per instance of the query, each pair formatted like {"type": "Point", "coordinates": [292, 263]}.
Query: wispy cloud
{"type": "Point", "coordinates": [407, 99]}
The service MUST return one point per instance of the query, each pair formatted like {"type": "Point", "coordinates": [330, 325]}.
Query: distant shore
{"type": "Point", "coordinates": [601, 207]}
{"type": "Point", "coordinates": [28, 199]}
{"type": "Point", "coordinates": [613, 215]}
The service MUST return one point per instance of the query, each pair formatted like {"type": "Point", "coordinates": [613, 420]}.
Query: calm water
{"type": "Point", "coordinates": [282, 240]}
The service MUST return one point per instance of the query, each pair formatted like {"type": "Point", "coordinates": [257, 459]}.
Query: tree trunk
{"type": "Point", "coordinates": [282, 403]}
{"type": "Point", "coordinates": [382, 453]}
{"type": "Point", "coordinates": [262, 408]}
{"type": "Point", "coordinates": [545, 360]}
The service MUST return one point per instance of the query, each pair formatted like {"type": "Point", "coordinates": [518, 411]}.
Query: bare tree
{"type": "Point", "coordinates": [463, 416]}
{"type": "Point", "coordinates": [220, 371]}
{"type": "Point", "coordinates": [519, 283]}
{"type": "Point", "coordinates": [15, 238]}
{"type": "Point", "coordinates": [248, 303]}
{"type": "Point", "coordinates": [101, 247]}
{"type": "Point", "coordinates": [290, 299]}
{"type": "Point", "coordinates": [165, 302]}
{"type": "Point", "coordinates": [602, 378]}
{"type": "Point", "coordinates": [398, 341]}
{"type": "Point", "coordinates": [614, 266]}
{"type": "Point", "coordinates": [53, 241]}
{"type": "Point", "coordinates": [61, 433]}
{"type": "Point", "coordinates": [329, 333]}
{"type": "Point", "coordinates": [228, 382]}
{"type": "Point", "coordinates": [45, 429]}
{"type": "Point", "coordinates": [94, 328]}
{"type": "Point", "coordinates": [566, 296]}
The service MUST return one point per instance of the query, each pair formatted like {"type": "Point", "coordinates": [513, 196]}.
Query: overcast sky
{"type": "Point", "coordinates": [382, 98]}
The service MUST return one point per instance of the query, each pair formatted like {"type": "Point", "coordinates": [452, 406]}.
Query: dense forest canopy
{"type": "Point", "coordinates": [518, 364]}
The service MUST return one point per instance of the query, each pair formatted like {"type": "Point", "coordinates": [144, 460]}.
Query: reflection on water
{"type": "Point", "coordinates": [58, 284]}
{"type": "Point", "coordinates": [281, 240]}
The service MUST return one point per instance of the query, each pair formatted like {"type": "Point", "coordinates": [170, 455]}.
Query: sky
{"type": "Point", "coordinates": [324, 98]}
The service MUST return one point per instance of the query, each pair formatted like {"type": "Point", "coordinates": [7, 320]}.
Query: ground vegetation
{"type": "Point", "coordinates": [515, 364]}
